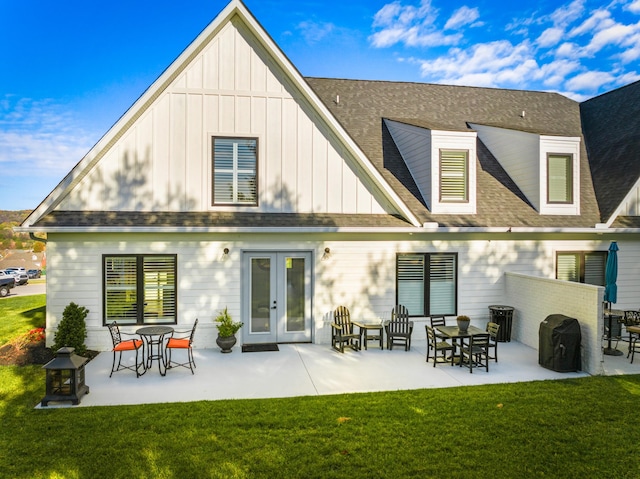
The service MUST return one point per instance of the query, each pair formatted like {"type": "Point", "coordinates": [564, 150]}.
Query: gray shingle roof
{"type": "Point", "coordinates": [163, 219]}
{"type": "Point", "coordinates": [611, 125]}
{"type": "Point", "coordinates": [364, 104]}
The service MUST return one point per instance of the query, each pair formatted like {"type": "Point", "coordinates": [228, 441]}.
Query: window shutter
{"type": "Point", "coordinates": [159, 289]}
{"type": "Point", "coordinates": [411, 282]}
{"type": "Point", "coordinates": [560, 182]}
{"type": "Point", "coordinates": [594, 266]}
{"type": "Point", "coordinates": [453, 176]}
{"type": "Point", "coordinates": [568, 267]}
{"type": "Point", "coordinates": [121, 290]}
{"type": "Point", "coordinates": [442, 284]}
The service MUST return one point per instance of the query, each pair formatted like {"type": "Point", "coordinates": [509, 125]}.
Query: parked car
{"type": "Point", "coordinates": [20, 275]}
{"type": "Point", "coordinates": [34, 273]}
{"type": "Point", "coordinates": [6, 283]}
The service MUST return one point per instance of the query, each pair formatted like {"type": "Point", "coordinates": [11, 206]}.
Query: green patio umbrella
{"type": "Point", "coordinates": [611, 291]}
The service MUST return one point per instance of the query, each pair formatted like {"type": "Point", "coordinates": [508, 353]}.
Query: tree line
{"type": "Point", "coordinates": [12, 240]}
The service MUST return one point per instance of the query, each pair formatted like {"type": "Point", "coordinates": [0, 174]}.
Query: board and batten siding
{"type": "Point", "coordinates": [359, 273]}
{"type": "Point", "coordinates": [163, 160]}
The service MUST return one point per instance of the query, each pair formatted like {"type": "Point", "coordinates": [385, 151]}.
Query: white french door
{"type": "Point", "coordinates": [277, 297]}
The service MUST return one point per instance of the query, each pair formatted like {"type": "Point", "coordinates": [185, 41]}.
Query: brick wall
{"type": "Point", "coordinates": [535, 298]}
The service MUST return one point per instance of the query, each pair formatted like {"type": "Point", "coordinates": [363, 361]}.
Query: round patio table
{"type": "Point", "coordinates": [153, 337]}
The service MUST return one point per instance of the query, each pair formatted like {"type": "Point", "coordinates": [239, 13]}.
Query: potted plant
{"type": "Point", "coordinates": [227, 329]}
{"type": "Point", "coordinates": [463, 322]}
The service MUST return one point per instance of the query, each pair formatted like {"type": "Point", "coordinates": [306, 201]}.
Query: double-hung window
{"type": "Point", "coordinates": [454, 181]}
{"type": "Point", "coordinates": [559, 178]}
{"type": "Point", "coordinates": [427, 283]}
{"type": "Point", "coordinates": [235, 166]}
{"type": "Point", "coordinates": [581, 266]}
{"type": "Point", "coordinates": [139, 289]}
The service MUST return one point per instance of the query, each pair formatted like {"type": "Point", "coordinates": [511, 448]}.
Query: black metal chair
{"type": "Point", "coordinates": [399, 328]}
{"type": "Point", "coordinates": [342, 331]}
{"type": "Point", "coordinates": [120, 346]}
{"type": "Point", "coordinates": [631, 318]}
{"type": "Point", "coordinates": [492, 329]}
{"type": "Point", "coordinates": [182, 340]}
{"type": "Point", "coordinates": [437, 346]}
{"type": "Point", "coordinates": [474, 352]}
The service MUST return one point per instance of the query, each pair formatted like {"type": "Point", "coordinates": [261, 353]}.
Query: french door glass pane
{"type": "Point", "coordinates": [295, 294]}
{"type": "Point", "coordinates": [260, 295]}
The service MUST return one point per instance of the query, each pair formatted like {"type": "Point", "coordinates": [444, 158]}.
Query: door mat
{"type": "Point", "coordinates": [258, 348]}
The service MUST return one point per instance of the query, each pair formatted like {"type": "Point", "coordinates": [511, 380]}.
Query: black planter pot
{"type": "Point", "coordinates": [226, 343]}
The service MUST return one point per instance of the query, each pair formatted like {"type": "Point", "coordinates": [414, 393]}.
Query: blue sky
{"type": "Point", "coordinates": [71, 69]}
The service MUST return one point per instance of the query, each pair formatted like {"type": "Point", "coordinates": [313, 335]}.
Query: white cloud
{"type": "Point", "coordinates": [634, 6]}
{"type": "Point", "coordinates": [555, 73]}
{"type": "Point", "coordinates": [567, 14]}
{"type": "Point", "coordinates": [550, 37]}
{"type": "Point", "coordinates": [314, 32]}
{"type": "Point", "coordinates": [462, 16]}
{"type": "Point", "coordinates": [599, 20]}
{"type": "Point", "coordinates": [589, 81]}
{"type": "Point", "coordinates": [409, 25]}
{"type": "Point", "coordinates": [40, 136]}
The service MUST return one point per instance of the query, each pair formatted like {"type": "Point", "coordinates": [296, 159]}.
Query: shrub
{"type": "Point", "coordinates": [72, 329]}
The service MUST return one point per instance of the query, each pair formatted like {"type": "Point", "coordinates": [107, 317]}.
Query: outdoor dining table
{"type": "Point", "coordinates": [153, 337]}
{"type": "Point", "coordinates": [456, 336]}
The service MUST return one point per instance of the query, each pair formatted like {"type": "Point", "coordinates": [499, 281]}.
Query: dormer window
{"type": "Point", "coordinates": [559, 179]}
{"type": "Point", "coordinates": [454, 181]}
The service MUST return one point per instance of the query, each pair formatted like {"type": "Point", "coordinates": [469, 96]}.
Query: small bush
{"type": "Point", "coordinates": [72, 329]}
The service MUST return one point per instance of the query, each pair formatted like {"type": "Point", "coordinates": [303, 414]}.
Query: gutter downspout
{"type": "Point", "coordinates": [36, 238]}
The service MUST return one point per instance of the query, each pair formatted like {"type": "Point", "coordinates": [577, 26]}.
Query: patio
{"type": "Point", "coordinates": [311, 370]}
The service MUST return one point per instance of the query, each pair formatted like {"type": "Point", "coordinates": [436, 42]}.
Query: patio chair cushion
{"type": "Point", "coordinates": [179, 343]}
{"type": "Point", "coordinates": [129, 345]}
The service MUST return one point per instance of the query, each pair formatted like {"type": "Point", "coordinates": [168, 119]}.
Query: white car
{"type": "Point", "coordinates": [19, 274]}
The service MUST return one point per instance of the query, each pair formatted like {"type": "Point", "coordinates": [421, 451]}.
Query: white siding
{"type": "Point", "coordinates": [162, 162]}
{"type": "Point", "coordinates": [518, 153]}
{"type": "Point", "coordinates": [360, 273]}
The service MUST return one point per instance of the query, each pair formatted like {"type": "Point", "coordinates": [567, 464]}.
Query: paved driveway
{"type": "Point", "coordinates": [28, 289]}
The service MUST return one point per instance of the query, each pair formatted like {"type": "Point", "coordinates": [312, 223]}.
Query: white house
{"type": "Point", "coordinates": [236, 182]}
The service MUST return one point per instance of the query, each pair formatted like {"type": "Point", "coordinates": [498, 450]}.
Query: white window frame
{"type": "Point", "coordinates": [236, 172]}
{"type": "Point", "coordinates": [566, 147]}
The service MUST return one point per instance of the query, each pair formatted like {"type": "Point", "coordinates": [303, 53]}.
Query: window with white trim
{"type": "Point", "coordinates": [559, 178]}
{"type": "Point", "coordinates": [454, 180]}
{"type": "Point", "coordinates": [139, 289]}
{"type": "Point", "coordinates": [427, 283]}
{"type": "Point", "coordinates": [235, 167]}
{"type": "Point", "coordinates": [581, 266]}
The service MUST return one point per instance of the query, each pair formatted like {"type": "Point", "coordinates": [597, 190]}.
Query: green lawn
{"type": "Point", "coordinates": [578, 428]}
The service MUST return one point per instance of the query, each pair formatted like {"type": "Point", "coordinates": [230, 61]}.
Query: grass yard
{"type": "Point", "coordinates": [578, 428]}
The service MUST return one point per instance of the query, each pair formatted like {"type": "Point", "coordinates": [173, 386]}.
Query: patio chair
{"type": "Point", "coordinates": [182, 340]}
{"type": "Point", "coordinates": [120, 346]}
{"type": "Point", "coordinates": [399, 328]}
{"type": "Point", "coordinates": [474, 352]}
{"type": "Point", "coordinates": [492, 329]}
{"type": "Point", "coordinates": [438, 320]}
{"type": "Point", "coordinates": [342, 331]}
{"type": "Point", "coordinates": [631, 318]}
{"type": "Point", "coordinates": [433, 344]}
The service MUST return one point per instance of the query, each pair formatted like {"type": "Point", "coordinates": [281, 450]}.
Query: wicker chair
{"type": "Point", "coordinates": [342, 331]}
{"type": "Point", "coordinates": [120, 346]}
{"type": "Point", "coordinates": [182, 340]}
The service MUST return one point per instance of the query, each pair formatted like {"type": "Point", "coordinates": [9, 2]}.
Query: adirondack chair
{"type": "Point", "coordinates": [399, 328]}
{"type": "Point", "coordinates": [342, 331]}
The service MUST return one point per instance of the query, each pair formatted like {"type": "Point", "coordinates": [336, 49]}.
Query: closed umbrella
{"type": "Point", "coordinates": [611, 290]}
